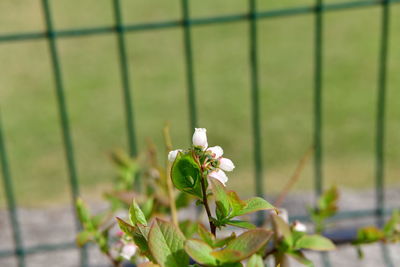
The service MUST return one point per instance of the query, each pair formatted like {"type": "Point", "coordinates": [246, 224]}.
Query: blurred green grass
{"type": "Point", "coordinates": [91, 75]}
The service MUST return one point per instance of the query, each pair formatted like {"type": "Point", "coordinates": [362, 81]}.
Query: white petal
{"type": "Point", "coordinates": [200, 138]}
{"type": "Point", "coordinates": [299, 227]}
{"type": "Point", "coordinates": [226, 164]}
{"type": "Point", "coordinates": [219, 175]}
{"type": "Point", "coordinates": [216, 150]}
{"type": "Point", "coordinates": [128, 251]}
{"type": "Point", "coordinates": [172, 154]}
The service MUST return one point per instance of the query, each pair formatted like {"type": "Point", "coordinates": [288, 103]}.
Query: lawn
{"type": "Point", "coordinates": [91, 76]}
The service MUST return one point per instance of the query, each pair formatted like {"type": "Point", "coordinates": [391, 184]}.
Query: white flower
{"type": "Point", "coordinates": [128, 251]}
{"type": "Point", "coordinates": [172, 154]}
{"type": "Point", "coordinates": [200, 138]}
{"type": "Point", "coordinates": [299, 227]}
{"type": "Point", "coordinates": [217, 151]}
{"type": "Point", "coordinates": [219, 175]}
{"type": "Point", "coordinates": [226, 164]}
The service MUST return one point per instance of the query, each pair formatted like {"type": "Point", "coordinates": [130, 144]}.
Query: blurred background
{"type": "Point", "coordinates": [91, 75]}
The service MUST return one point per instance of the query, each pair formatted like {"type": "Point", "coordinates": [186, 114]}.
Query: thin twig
{"type": "Point", "coordinates": [205, 202]}
{"type": "Point", "coordinates": [170, 189]}
{"type": "Point", "coordinates": [295, 177]}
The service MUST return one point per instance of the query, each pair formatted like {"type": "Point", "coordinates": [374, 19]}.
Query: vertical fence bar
{"type": "Point", "coordinates": [318, 182]}
{"type": "Point", "coordinates": [187, 39]}
{"type": "Point", "coordinates": [380, 115]}
{"type": "Point", "coordinates": [124, 65]}
{"type": "Point", "coordinates": [318, 64]}
{"type": "Point", "coordinates": [255, 105]}
{"type": "Point", "coordinates": [380, 125]}
{"type": "Point", "coordinates": [64, 120]}
{"type": "Point", "coordinates": [11, 202]}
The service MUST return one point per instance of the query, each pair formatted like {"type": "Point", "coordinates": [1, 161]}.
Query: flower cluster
{"type": "Point", "coordinates": [211, 157]}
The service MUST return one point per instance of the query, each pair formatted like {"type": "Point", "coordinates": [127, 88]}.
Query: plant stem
{"type": "Point", "coordinates": [205, 203]}
{"type": "Point", "coordinates": [294, 178]}
{"type": "Point", "coordinates": [171, 198]}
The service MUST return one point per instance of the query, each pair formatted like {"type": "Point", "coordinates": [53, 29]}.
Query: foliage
{"type": "Point", "coordinates": [151, 232]}
{"type": "Point", "coordinates": [327, 206]}
{"type": "Point", "coordinates": [390, 233]}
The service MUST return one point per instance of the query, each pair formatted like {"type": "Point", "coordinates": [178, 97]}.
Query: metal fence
{"type": "Point", "coordinates": [186, 23]}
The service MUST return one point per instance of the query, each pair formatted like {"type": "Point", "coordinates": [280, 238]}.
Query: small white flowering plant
{"type": "Point", "coordinates": [152, 234]}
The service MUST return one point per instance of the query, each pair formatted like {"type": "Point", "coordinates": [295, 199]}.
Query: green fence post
{"type": "Point", "coordinates": [380, 126]}
{"type": "Point", "coordinates": [318, 179]}
{"type": "Point", "coordinates": [124, 65]}
{"type": "Point", "coordinates": [255, 106]}
{"type": "Point", "coordinates": [11, 202]}
{"type": "Point", "coordinates": [318, 65]}
{"type": "Point", "coordinates": [187, 39]}
{"type": "Point", "coordinates": [62, 107]}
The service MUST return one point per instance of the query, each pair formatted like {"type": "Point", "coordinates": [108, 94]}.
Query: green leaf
{"type": "Point", "coordinates": [221, 199]}
{"type": "Point", "coordinates": [220, 242]}
{"type": "Point", "coordinates": [136, 215]}
{"type": "Point", "coordinates": [255, 261]}
{"type": "Point", "coordinates": [241, 224]}
{"type": "Point", "coordinates": [314, 242]}
{"type": "Point", "coordinates": [283, 229]}
{"type": "Point", "coordinates": [229, 255]}
{"type": "Point", "coordinates": [205, 235]}
{"type": "Point", "coordinates": [236, 203]}
{"type": "Point", "coordinates": [369, 234]}
{"type": "Point", "coordinates": [188, 228]}
{"type": "Point", "coordinates": [243, 246]}
{"type": "Point", "coordinates": [84, 214]}
{"type": "Point", "coordinates": [298, 256]}
{"type": "Point", "coordinates": [254, 204]}
{"type": "Point", "coordinates": [139, 234]}
{"type": "Point", "coordinates": [141, 239]}
{"type": "Point", "coordinates": [390, 227]}
{"type": "Point", "coordinates": [126, 227]}
{"type": "Point", "coordinates": [147, 207]}
{"type": "Point", "coordinates": [166, 244]}
{"type": "Point", "coordinates": [328, 200]}
{"type": "Point", "coordinates": [84, 237]}
{"type": "Point", "coordinates": [186, 175]}
{"type": "Point", "coordinates": [200, 252]}
{"type": "Point", "coordinates": [250, 241]}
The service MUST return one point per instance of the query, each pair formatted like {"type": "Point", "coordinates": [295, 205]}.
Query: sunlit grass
{"type": "Point", "coordinates": [91, 75]}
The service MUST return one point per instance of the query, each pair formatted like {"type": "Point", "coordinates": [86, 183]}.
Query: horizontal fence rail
{"type": "Point", "coordinates": [186, 23]}
{"type": "Point", "coordinates": [195, 21]}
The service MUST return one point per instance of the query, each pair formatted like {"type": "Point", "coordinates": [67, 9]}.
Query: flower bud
{"type": "Point", "coordinates": [200, 138]}
{"type": "Point", "coordinates": [299, 227]}
{"type": "Point", "coordinates": [172, 154]}
{"type": "Point", "coordinates": [216, 150]}
{"type": "Point", "coordinates": [219, 175]}
{"type": "Point", "coordinates": [128, 251]}
{"type": "Point", "coordinates": [226, 164]}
